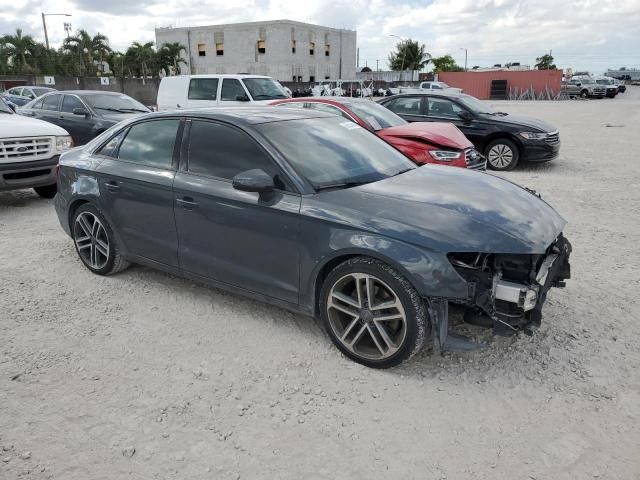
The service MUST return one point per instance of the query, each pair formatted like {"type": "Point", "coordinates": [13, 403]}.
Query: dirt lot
{"type": "Point", "coordinates": [145, 375]}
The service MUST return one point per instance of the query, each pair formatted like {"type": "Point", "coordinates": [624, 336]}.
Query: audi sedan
{"type": "Point", "coordinates": [313, 213]}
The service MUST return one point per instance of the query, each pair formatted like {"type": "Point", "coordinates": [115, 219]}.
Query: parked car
{"type": "Point", "coordinates": [306, 211]}
{"type": "Point", "coordinates": [503, 138]}
{"type": "Point", "coordinates": [613, 86]}
{"type": "Point", "coordinates": [585, 88]}
{"type": "Point", "coordinates": [85, 114]}
{"type": "Point", "coordinates": [439, 86]}
{"type": "Point", "coordinates": [29, 152]}
{"type": "Point", "coordinates": [198, 91]}
{"type": "Point", "coordinates": [22, 95]}
{"type": "Point", "coordinates": [441, 143]}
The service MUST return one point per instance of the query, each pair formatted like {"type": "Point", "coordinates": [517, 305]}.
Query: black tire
{"type": "Point", "coordinates": [48, 191]}
{"type": "Point", "coordinates": [502, 143]}
{"type": "Point", "coordinates": [109, 264]}
{"type": "Point", "coordinates": [584, 93]}
{"type": "Point", "coordinates": [410, 332]}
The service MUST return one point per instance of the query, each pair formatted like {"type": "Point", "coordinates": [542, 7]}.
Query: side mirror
{"type": "Point", "coordinates": [80, 111]}
{"type": "Point", "coordinates": [466, 116]}
{"type": "Point", "coordinates": [242, 98]}
{"type": "Point", "coordinates": [578, 84]}
{"type": "Point", "coordinates": [255, 180]}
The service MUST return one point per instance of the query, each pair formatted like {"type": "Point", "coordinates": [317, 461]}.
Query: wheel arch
{"type": "Point", "coordinates": [503, 135]}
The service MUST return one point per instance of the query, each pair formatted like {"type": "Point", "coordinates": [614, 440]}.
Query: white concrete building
{"type": "Point", "coordinates": [283, 49]}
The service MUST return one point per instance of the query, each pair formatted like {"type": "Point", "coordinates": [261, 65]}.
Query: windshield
{"type": "Point", "coordinates": [117, 103]}
{"type": "Point", "coordinates": [334, 152]}
{"type": "Point", "coordinates": [374, 115]}
{"type": "Point", "coordinates": [475, 105]}
{"type": "Point", "coordinates": [264, 89]}
{"type": "Point", "coordinates": [4, 108]}
{"type": "Point", "coordinates": [41, 91]}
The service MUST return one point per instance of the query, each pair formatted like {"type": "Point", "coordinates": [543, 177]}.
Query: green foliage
{"type": "Point", "coordinates": [409, 55]}
{"type": "Point", "coordinates": [446, 63]}
{"type": "Point", "coordinates": [82, 54]}
{"type": "Point", "coordinates": [545, 62]}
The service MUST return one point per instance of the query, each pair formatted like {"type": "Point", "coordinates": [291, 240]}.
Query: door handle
{"type": "Point", "coordinates": [112, 186]}
{"type": "Point", "coordinates": [186, 202]}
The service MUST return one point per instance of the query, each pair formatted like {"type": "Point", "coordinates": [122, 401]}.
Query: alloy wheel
{"type": "Point", "coordinates": [91, 240]}
{"type": "Point", "coordinates": [366, 316]}
{"type": "Point", "coordinates": [500, 155]}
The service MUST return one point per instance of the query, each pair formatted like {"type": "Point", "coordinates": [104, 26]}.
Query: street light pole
{"type": "Point", "coordinates": [465, 58]}
{"type": "Point", "coordinates": [44, 24]}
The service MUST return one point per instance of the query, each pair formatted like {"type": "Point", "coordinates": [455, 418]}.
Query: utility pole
{"type": "Point", "coordinates": [44, 24]}
{"type": "Point", "coordinates": [377, 67]}
{"type": "Point", "coordinates": [465, 58]}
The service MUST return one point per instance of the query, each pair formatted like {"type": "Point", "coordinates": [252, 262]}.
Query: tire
{"type": "Point", "coordinates": [502, 154]}
{"type": "Point", "coordinates": [584, 93]}
{"type": "Point", "coordinates": [403, 326]}
{"type": "Point", "coordinates": [48, 191]}
{"type": "Point", "coordinates": [95, 243]}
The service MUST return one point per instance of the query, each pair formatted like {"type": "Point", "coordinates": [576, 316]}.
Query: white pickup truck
{"type": "Point", "coordinates": [428, 87]}
{"type": "Point", "coordinates": [29, 152]}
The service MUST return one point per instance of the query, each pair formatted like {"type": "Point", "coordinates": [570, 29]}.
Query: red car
{"type": "Point", "coordinates": [423, 142]}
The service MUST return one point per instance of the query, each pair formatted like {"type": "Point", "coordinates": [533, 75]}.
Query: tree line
{"type": "Point", "coordinates": [82, 54]}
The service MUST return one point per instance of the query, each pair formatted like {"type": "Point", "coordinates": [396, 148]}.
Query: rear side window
{"type": "Point", "coordinates": [150, 143]}
{"type": "Point", "coordinates": [203, 89]}
{"type": "Point", "coordinates": [231, 89]}
{"type": "Point", "coordinates": [50, 102]}
{"type": "Point", "coordinates": [220, 151]}
{"type": "Point", "coordinates": [70, 103]}
{"type": "Point", "coordinates": [406, 105]}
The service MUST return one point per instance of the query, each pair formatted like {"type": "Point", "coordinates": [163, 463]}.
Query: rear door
{"type": "Point", "coordinates": [202, 92]}
{"type": "Point", "coordinates": [80, 127]}
{"type": "Point", "coordinates": [242, 239]}
{"type": "Point", "coordinates": [410, 107]}
{"type": "Point", "coordinates": [50, 111]}
{"type": "Point", "coordinates": [136, 180]}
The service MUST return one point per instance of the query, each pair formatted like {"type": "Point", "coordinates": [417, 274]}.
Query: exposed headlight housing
{"type": "Point", "coordinates": [64, 143]}
{"type": "Point", "coordinates": [533, 135]}
{"type": "Point", "coordinates": [445, 155]}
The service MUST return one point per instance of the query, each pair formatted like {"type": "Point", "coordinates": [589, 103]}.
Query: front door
{"type": "Point", "coordinates": [441, 109]}
{"type": "Point", "coordinates": [232, 90]}
{"type": "Point", "coordinates": [136, 180]}
{"type": "Point", "coordinates": [411, 108]}
{"type": "Point", "coordinates": [244, 239]}
{"type": "Point", "coordinates": [80, 127]}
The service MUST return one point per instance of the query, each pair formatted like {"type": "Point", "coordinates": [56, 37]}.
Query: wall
{"type": "Point", "coordinates": [478, 84]}
{"type": "Point", "coordinates": [241, 53]}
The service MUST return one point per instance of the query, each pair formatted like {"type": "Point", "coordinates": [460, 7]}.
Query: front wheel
{"type": "Point", "coordinates": [584, 93]}
{"type": "Point", "coordinates": [502, 154]}
{"type": "Point", "coordinates": [372, 313]}
{"type": "Point", "coordinates": [48, 191]}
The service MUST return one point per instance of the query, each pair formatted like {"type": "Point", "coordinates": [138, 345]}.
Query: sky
{"type": "Point", "coordinates": [591, 35]}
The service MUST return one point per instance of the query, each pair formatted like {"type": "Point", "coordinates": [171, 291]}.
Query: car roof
{"type": "Point", "coordinates": [430, 93]}
{"type": "Point", "coordinates": [247, 115]}
{"type": "Point", "coordinates": [327, 99]}
{"type": "Point", "coordinates": [91, 92]}
{"type": "Point", "coordinates": [219, 75]}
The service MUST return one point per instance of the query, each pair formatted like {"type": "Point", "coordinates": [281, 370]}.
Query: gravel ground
{"type": "Point", "coordinates": [145, 375]}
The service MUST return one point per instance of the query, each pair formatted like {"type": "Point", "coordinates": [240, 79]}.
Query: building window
{"type": "Point", "coordinates": [299, 78]}
{"type": "Point", "coordinates": [327, 77]}
{"type": "Point", "coordinates": [327, 50]}
{"type": "Point", "coordinates": [293, 46]}
{"type": "Point", "coordinates": [202, 52]}
{"type": "Point", "coordinates": [312, 78]}
{"type": "Point", "coordinates": [219, 49]}
{"type": "Point", "coordinates": [312, 48]}
{"type": "Point", "coordinates": [261, 46]}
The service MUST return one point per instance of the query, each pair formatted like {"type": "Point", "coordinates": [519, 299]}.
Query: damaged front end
{"type": "Point", "coordinates": [506, 291]}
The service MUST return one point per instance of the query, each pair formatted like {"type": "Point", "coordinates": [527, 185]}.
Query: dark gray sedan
{"type": "Point", "coordinates": [315, 214]}
{"type": "Point", "coordinates": [85, 114]}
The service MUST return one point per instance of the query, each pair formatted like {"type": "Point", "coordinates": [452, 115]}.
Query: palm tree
{"type": "Point", "coordinates": [141, 58]}
{"type": "Point", "coordinates": [18, 50]}
{"type": "Point", "coordinates": [88, 48]}
{"type": "Point", "coordinates": [169, 56]}
{"type": "Point", "coordinates": [409, 55]}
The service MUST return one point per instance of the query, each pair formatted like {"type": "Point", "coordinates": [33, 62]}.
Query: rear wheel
{"type": "Point", "coordinates": [48, 191]}
{"type": "Point", "coordinates": [372, 313]}
{"type": "Point", "coordinates": [502, 154]}
{"type": "Point", "coordinates": [95, 242]}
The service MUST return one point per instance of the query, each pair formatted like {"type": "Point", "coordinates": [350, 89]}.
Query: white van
{"type": "Point", "coordinates": [200, 91]}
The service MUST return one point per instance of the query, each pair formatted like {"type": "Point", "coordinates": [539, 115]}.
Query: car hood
{"type": "Point", "coordinates": [18, 126]}
{"type": "Point", "coordinates": [437, 133]}
{"type": "Point", "coordinates": [523, 121]}
{"type": "Point", "coordinates": [445, 209]}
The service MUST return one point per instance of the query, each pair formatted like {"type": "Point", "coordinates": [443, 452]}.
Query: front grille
{"type": "Point", "coordinates": [553, 138]}
{"type": "Point", "coordinates": [474, 160]}
{"type": "Point", "coordinates": [30, 148]}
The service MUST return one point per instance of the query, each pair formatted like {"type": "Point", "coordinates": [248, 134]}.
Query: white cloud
{"type": "Point", "coordinates": [585, 34]}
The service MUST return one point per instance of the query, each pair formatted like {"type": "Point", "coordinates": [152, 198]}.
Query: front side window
{"type": "Point", "coordinates": [333, 152]}
{"type": "Point", "coordinates": [70, 103]}
{"type": "Point", "coordinates": [51, 102]}
{"type": "Point", "coordinates": [203, 89]}
{"type": "Point", "coordinates": [15, 91]}
{"type": "Point", "coordinates": [231, 90]}
{"type": "Point", "coordinates": [264, 89]}
{"type": "Point", "coordinates": [441, 107]}
{"type": "Point", "coordinates": [406, 106]}
{"type": "Point", "coordinates": [150, 143]}
{"type": "Point", "coordinates": [221, 151]}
